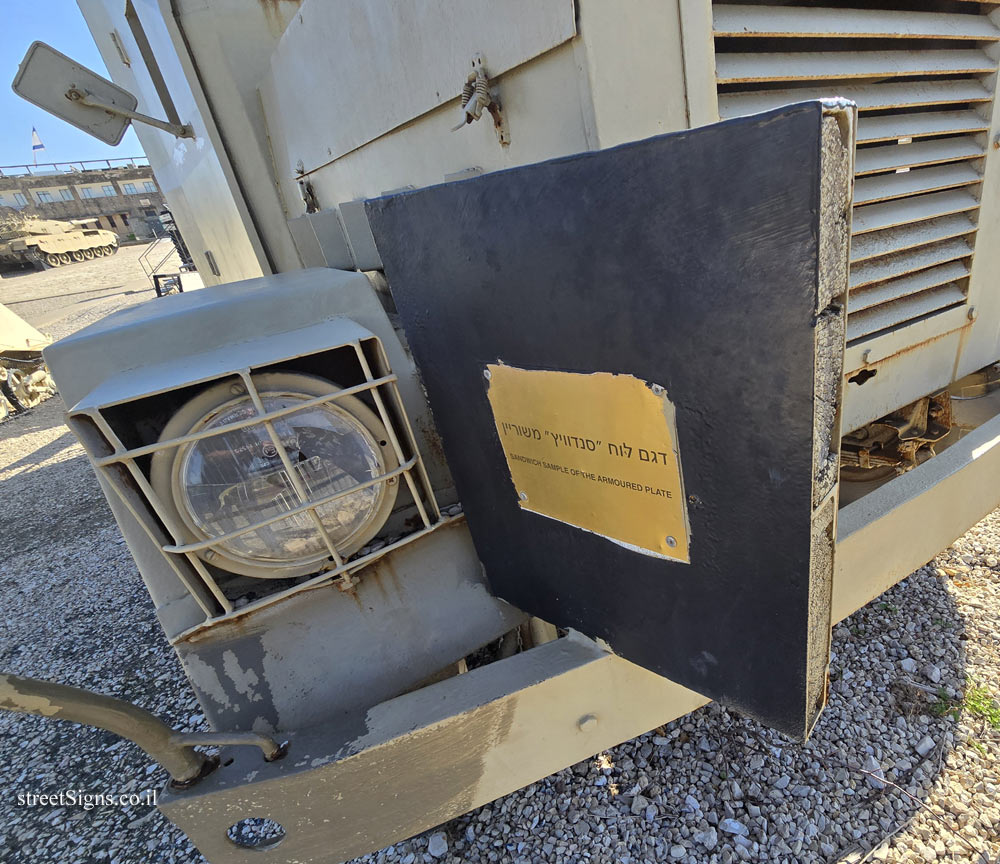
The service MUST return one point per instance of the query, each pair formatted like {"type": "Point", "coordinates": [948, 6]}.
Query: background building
{"type": "Point", "coordinates": [124, 198]}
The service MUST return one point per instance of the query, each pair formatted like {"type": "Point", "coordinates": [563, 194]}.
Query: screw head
{"type": "Point", "coordinates": [523, 496]}
{"type": "Point", "coordinates": [587, 722]}
{"type": "Point", "coordinates": [866, 356]}
{"type": "Point", "coordinates": [237, 389]}
{"type": "Point", "coordinates": [487, 374]}
{"type": "Point", "coordinates": [973, 313]}
{"type": "Point", "coordinates": [671, 541]}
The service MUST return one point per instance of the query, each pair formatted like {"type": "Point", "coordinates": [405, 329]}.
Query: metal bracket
{"type": "Point", "coordinates": [84, 97]}
{"type": "Point", "coordinates": [173, 750]}
{"type": "Point", "coordinates": [477, 95]}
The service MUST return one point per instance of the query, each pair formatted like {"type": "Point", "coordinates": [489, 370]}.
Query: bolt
{"type": "Point", "coordinates": [487, 374]}
{"type": "Point", "coordinates": [973, 313]}
{"type": "Point", "coordinates": [209, 554]}
{"type": "Point", "coordinates": [237, 389]}
{"type": "Point", "coordinates": [866, 356]}
{"type": "Point", "coordinates": [587, 722]}
{"type": "Point", "coordinates": [671, 541]}
{"type": "Point", "coordinates": [657, 390]}
{"type": "Point", "coordinates": [523, 496]}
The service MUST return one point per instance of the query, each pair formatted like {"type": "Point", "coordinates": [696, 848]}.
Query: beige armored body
{"type": "Point", "coordinates": [52, 243]}
{"type": "Point", "coordinates": [24, 379]}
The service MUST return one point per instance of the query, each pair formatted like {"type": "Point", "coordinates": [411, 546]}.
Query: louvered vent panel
{"type": "Point", "coordinates": [922, 76]}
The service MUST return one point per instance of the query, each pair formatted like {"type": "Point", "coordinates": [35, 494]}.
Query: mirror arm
{"type": "Point", "coordinates": [85, 98]}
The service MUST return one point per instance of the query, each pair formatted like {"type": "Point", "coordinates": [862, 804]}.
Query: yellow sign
{"type": "Point", "coordinates": [596, 451]}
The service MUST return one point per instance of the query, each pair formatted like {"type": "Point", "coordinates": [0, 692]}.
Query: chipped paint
{"type": "Point", "coordinates": [28, 704]}
{"type": "Point", "coordinates": [205, 680]}
{"type": "Point", "coordinates": [245, 680]}
{"type": "Point", "coordinates": [428, 756]}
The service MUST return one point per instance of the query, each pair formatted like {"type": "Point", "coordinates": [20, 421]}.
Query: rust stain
{"type": "Point", "coordinates": [376, 578]}
{"type": "Point", "coordinates": [249, 621]}
{"type": "Point", "coordinates": [232, 628]}
{"type": "Point", "coordinates": [433, 441]}
{"type": "Point", "coordinates": [357, 600]}
{"type": "Point", "coordinates": [393, 576]}
{"type": "Point", "coordinates": [244, 622]}
{"type": "Point", "coordinates": [381, 572]}
{"type": "Point", "coordinates": [279, 13]}
{"type": "Point", "coordinates": [908, 348]}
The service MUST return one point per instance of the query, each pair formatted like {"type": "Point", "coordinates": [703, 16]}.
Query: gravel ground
{"type": "Point", "coordinates": [902, 765]}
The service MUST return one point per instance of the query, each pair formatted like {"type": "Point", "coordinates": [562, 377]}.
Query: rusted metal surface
{"type": "Point", "coordinates": [270, 748]}
{"type": "Point", "coordinates": [899, 441]}
{"type": "Point", "coordinates": [479, 94]}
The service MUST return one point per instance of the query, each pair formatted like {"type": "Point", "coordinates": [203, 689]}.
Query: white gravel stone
{"type": "Point", "coordinates": [437, 845]}
{"type": "Point", "coordinates": [709, 838]}
{"type": "Point", "coordinates": [875, 775]}
{"type": "Point", "coordinates": [731, 826]}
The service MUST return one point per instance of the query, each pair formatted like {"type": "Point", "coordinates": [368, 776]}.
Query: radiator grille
{"type": "Point", "coordinates": [922, 76]}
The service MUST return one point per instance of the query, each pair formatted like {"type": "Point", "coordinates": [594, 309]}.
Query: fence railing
{"type": "Point", "coordinates": [71, 167]}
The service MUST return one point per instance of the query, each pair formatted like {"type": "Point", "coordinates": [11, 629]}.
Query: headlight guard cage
{"type": "Point", "coordinates": [123, 467]}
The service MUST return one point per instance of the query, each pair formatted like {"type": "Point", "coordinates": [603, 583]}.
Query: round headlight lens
{"type": "Point", "coordinates": [230, 481]}
{"type": "Point", "coordinates": [234, 479]}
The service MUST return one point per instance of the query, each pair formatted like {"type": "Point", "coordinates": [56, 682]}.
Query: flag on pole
{"type": "Point", "coordinates": [36, 144]}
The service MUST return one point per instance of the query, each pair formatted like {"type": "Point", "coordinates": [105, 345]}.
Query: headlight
{"type": "Point", "coordinates": [220, 484]}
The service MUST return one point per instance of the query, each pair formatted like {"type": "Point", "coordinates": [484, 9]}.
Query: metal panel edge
{"type": "Point", "coordinates": [923, 512]}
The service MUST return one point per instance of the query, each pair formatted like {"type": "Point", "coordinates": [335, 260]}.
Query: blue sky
{"type": "Point", "coordinates": [61, 24]}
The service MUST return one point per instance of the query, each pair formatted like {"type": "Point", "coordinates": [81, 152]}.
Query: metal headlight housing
{"type": "Point", "coordinates": [263, 473]}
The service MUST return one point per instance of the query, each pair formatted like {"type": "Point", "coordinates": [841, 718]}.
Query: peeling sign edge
{"type": "Point", "coordinates": [669, 416]}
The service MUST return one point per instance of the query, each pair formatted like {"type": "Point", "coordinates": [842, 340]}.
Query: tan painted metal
{"type": "Point", "coordinates": [45, 699]}
{"type": "Point", "coordinates": [428, 756]}
{"type": "Point", "coordinates": [16, 334]}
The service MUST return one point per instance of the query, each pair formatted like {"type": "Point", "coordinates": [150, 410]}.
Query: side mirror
{"type": "Point", "coordinates": [57, 84]}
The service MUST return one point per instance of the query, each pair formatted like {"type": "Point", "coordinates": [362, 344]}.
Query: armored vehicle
{"type": "Point", "coordinates": [24, 379]}
{"type": "Point", "coordinates": [53, 243]}
{"type": "Point", "coordinates": [510, 422]}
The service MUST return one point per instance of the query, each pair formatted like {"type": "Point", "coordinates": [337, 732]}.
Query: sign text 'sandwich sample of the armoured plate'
{"type": "Point", "coordinates": [597, 451]}
{"type": "Point", "coordinates": [711, 263]}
